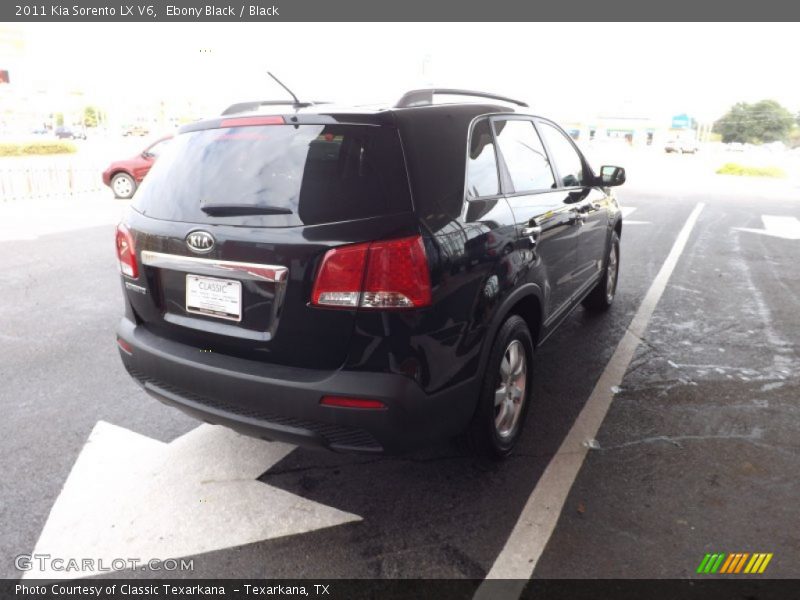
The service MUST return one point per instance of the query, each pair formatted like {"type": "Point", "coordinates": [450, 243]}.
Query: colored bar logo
{"type": "Point", "coordinates": [734, 563]}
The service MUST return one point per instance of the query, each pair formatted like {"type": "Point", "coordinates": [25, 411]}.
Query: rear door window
{"type": "Point", "coordinates": [482, 175]}
{"type": "Point", "coordinates": [306, 174]}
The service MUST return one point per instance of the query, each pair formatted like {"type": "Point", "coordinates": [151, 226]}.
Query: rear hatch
{"type": "Point", "coordinates": [231, 224]}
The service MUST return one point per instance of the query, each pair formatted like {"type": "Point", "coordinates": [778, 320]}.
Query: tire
{"type": "Point", "coordinates": [602, 295]}
{"type": "Point", "coordinates": [506, 390]}
{"type": "Point", "coordinates": [123, 186]}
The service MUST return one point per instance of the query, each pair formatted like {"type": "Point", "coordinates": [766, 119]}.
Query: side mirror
{"type": "Point", "coordinates": [611, 176]}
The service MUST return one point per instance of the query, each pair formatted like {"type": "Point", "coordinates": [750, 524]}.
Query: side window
{"type": "Point", "coordinates": [482, 177]}
{"type": "Point", "coordinates": [524, 155]}
{"type": "Point", "coordinates": [156, 149]}
{"type": "Point", "coordinates": [567, 159]}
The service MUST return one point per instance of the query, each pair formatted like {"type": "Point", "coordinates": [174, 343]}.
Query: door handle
{"type": "Point", "coordinates": [578, 216]}
{"type": "Point", "coordinates": [532, 232]}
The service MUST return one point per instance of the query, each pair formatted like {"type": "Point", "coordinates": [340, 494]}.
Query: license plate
{"type": "Point", "coordinates": [214, 297]}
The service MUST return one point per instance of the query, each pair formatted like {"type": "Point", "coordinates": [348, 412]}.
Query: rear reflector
{"type": "Point", "coordinates": [252, 121]}
{"type": "Point", "coordinates": [351, 402]}
{"type": "Point", "coordinates": [389, 274]}
{"type": "Point", "coordinates": [124, 346]}
{"type": "Point", "coordinates": [126, 252]}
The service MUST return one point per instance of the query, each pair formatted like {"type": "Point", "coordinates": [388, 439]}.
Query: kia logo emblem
{"type": "Point", "coordinates": [200, 241]}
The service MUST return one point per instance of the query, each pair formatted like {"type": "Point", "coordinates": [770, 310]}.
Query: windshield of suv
{"type": "Point", "coordinates": [278, 175]}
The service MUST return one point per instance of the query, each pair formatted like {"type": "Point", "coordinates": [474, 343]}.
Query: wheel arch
{"type": "Point", "coordinates": [121, 171]}
{"type": "Point", "coordinates": [527, 302]}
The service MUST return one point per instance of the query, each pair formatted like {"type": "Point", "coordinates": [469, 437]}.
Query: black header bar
{"type": "Point", "coordinates": [148, 11]}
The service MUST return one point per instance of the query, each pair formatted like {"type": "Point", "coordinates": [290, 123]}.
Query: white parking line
{"type": "Point", "coordinates": [538, 519]}
{"type": "Point", "coordinates": [626, 212]}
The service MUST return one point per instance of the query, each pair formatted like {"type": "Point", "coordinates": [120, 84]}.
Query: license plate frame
{"type": "Point", "coordinates": [218, 303]}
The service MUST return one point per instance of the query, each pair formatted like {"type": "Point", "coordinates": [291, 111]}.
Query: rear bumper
{"type": "Point", "coordinates": [283, 403]}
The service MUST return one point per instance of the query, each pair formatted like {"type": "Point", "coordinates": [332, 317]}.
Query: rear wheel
{"type": "Point", "coordinates": [602, 296]}
{"type": "Point", "coordinates": [123, 185]}
{"type": "Point", "coordinates": [505, 392]}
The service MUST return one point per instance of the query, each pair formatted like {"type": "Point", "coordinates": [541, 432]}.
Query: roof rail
{"type": "Point", "coordinates": [424, 97]}
{"type": "Point", "coordinates": [256, 104]}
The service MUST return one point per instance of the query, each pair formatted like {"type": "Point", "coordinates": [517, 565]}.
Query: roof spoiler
{"type": "Point", "coordinates": [240, 107]}
{"type": "Point", "coordinates": [424, 97]}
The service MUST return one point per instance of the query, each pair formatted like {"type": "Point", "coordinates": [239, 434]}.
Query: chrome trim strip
{"type": "Point", "coordinates": [211, 266]}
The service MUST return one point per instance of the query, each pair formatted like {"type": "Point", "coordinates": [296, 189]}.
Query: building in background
{"type": "Point", "coordinates": [628, 126]}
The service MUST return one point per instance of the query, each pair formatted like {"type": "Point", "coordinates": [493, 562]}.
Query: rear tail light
{"type": "Point", "coordinates": [397, 275]}
{"type": "Point", "coordinates": [126, 252]}
{"type": "Point", "coordinates": [341, 276]}
{"type": "Point", "coordinates": [387, 274]}
{"type": "Point", "coordinates": [342, 402]}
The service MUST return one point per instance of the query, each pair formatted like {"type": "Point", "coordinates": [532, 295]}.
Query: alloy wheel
{"type": "Point", "coordinates": [509, 396]}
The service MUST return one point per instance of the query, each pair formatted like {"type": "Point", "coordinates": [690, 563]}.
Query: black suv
{"type": "Point", "coordinates": [362, 279]}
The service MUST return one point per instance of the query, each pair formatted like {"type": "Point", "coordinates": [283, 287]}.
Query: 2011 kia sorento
{"type": "Point", "coordinates": [362, 279]}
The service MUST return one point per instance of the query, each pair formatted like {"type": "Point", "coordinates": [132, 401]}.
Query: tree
{"type": "Point", "coordinates": [91, 116]}
{"type": "Point", "coordinates": [762, 122]}
{"type": "Point", "coordinates": [794, 138]}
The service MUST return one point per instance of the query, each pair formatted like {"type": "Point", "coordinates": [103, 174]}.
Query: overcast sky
{"type": "Point", "coordinates": [562, 70]}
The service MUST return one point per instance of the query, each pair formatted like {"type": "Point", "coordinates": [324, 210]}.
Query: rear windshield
{"type": "Point", "coordinates": [314, 173]}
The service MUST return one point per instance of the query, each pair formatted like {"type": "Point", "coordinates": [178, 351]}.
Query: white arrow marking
{"type": "Point", "coordinates": [129, 496]}
{"type": "Point", "coordinates": [787, 228]}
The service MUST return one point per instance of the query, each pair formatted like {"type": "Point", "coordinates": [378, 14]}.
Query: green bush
{"type": "Point", "coordinates": [37, 148]}
{"type": "Point", "coordinates": [737, 169]}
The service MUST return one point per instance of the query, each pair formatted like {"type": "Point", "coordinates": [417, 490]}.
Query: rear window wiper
{"type": "Point", "coordinates": [241, 210]}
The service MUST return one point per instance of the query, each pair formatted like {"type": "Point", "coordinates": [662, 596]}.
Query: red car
{"type": "Point", "coordinates": [124, 176]}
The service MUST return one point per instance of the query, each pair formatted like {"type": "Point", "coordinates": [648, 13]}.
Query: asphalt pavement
{"type": "Point", "coordinates": [698, 452]}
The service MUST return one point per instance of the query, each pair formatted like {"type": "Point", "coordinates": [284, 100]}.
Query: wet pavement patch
{"type": "Point", "coordinates": [683, 469]}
